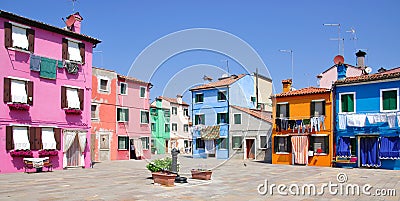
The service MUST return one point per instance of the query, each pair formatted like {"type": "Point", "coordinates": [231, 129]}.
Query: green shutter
{"type": "Point", "coordinates": [323, 108]}
{"type": "Point", "coordinates": [350, 103]}
{"type": "Point", "coordinates": [218, 118]}
{"type": "Point", "coordinates": [312, 109]}
{"type": "Point", "coordinates": [389, 100]}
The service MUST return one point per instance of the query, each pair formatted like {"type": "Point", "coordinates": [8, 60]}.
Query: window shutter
{"type": "Point", "coordinates": [82, 51]}
{"type": "Point", "coordinates": [350, 103]}
{"type": "Point", "coordinates": [7, 90]}
{"type": "Point", "coordinates": [57, 137]}
{"type": "Point", "coordinates": [326, 141]}
{"type": "Point", "coordinates": [31, 136]}
{"type": "Point", "coordinates": [29, 89]}
{"type": "Point", "coordinates": [218, 118]}
{"type": "Point", "coordinates": [278, 110]}
{"type": "Point", "coordinates": [65, 55]}
{"type": "Point", "coordinates": [7, 34]}
{"type": "Point", "coordinates": [127, 142]}
{"type": "Point", "coordinates": [287, 110]}
{"type": "Point", "coordinates": [31, 39]}
{"type": "Point", "coordinates": [323, 108]}
{"type": "Point", "coordinates": [35, 138]}
{"type": "Point", "coordinates": [63, 97]}
{"type": "Point", "coordinates": [9, 138]}
{"type": "Point", "coordinates": [81, 97]}
{"type": "Point", "coordinates": [289, 144]}
{"type": "Point", "coordinates": [312, 109]}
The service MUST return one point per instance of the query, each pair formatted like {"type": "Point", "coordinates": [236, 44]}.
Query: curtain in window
{"type": "Point", "coordinates": [138, 147]}
{"type": "Point", "coordinates": [343, 147]}
{"type": "Point", "coordinates": [19, 38]}
{"type": "Point", "coordinates": [209, 146]}
{"type": "Point", "coordinates": [300, 149]}
{"type": "Point", "coordinates": [369, 152]}
{"type": "Point", "coordinates": [18, 91]}
{"type": "Point", "coordinates": [20, 137]}
{"type": "Point", "coordinates": [48, 140]}
{"type": "Point", "coordinates": [69, 137]}
{"type": "Point", "coordinates": [73, 98]}
{"type": "Point", "coordinates": [82, 145]}
{"type": "Point", "coordinates": [144, 117]}
{"type": "Point", "coordinates": [389, 148]}
{"type": "Point", "coordinates": [73, 51]}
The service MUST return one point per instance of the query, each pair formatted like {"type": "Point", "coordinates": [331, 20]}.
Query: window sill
{"type": "Point", "coordinates": [221, 100]}
{"type": "Point", "coordinates": [320, 154]}
{"type": "Point", "coordinates": [19, 50]}
{"type": "Point", "coordinates": [388, 111]}
{"type": "Point", "coordinates": [122, 121]}
{"type": "Point", "coordinates": [72, 111]}
{"type": "Point", "coordinates": [19, 106]}
{"type": "Point", "coordinates": [122, 94]}
{"type": "Point", "coordinates": [95, 119]}
{"type": "Point", "coordinates": [282, 153]}
{"type": "Point", "coordinates": [122, 149]}
{"type": "Point", "coordinates": [104, 91]}
{"type": "Point", "coordinates": [75, 62]}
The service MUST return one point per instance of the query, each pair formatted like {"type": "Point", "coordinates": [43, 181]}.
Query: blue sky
{"type": "Point", "coordinates": [126, 28]}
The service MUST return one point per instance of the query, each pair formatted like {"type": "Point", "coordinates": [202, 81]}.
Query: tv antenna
{"type": "Point", "coordinates": [354, 38]}
{"type": "Point", "coordinates": [73, 5]}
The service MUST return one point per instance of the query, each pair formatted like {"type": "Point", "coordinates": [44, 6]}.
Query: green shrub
{"type": "Point", "coordinates": [163, 164]}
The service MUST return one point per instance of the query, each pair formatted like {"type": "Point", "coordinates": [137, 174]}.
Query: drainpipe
{"type": "Point", "coordinates": [229, 122]}
{"type": "Point", "coordinates": [193, 124]}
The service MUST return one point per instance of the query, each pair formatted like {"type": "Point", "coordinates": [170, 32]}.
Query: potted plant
{"type": "Point", "coordinates": [161, 171]}
{"type": "Point", "coordinates": [202, 174]}
{"type": "Point", "coordinates": [21, 153]}
{"type": "Point", "coordinates": [48, 152]}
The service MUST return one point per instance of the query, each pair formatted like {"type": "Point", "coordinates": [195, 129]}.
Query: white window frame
{"type": "Point", "coordinates": [172, 127]}
{"type": "Point", "coordinates": [21, 80]}
{"type": "Point", "coordinates": [240, 148]}
{"type": "Point", "coordinates": [55, 142]}
{"type": "Point", "coordinates": [340, 102]}
{"type": "Point", "coordinates": [116, 115]}
{"type": "Point", "coordinates": [27, 135]}
{"type": "Point", "coordinates": [140, 92]}
{"type": "Point", "coordinates": [176, 110]}
{"type": "Point", "coordinates": [148, 121]}
{"type": "Point", "coordinates": [381, 99]}
{"type": "Point", "coordinates": [226, 95]}
{"type": "Point", "coordinates": [318, 101]}
{"type": "Point", "coordinates": [227, 116]}
{"type": "Point", "coordinates": [259, 141]}
{"type": "Point", "coordinates": [235, 119]}
{"type": "Point", "coordinates": [184, 130]}
{"type": "Point", "coordinates": [96, 112]}
{"type": "Point", "coordinates": [73, 41]}
{"type": "Point", "coordinates": [321, 135]}
{"type": "Point", "coordinates": [126, 88]}
{"type": "Point", "coordinates": [195, 97]}
{"type": "Point", "coordinates": [21, 26]}
{"type": "Point", "coordinates": [227, 144]}
{"type": "Point", "coordinates": [145, 146]}
{"type": "Point", "coordinates": [66, 95]}
{"type": "Point", "coordinates": [279, 104]}
{"type": "Point", "coordinates": [203, 123]}
{"type": "Point", "coordinates": [282, 152]}
{"type": "Point", "coordinates": [125, 136]}
{"type": "Point", "coordinates": [99, 84]}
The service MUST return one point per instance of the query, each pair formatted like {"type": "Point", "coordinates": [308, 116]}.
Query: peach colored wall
{"type": "Point", "coordinates": [331, 75]}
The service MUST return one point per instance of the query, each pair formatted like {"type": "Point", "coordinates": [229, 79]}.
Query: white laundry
{"type": "Point", "coordinates": [342, 121]}
{"type": "Point", "coordinates": [372, 118]}
{"type": "Point", "coordinates": [391, 119]}
{"type": "Point", "coordinates": [210, 147]}
{"type": "Point", "coordinates": [398, 119]}
{"type": "Point", "coordinates": [382, 117]}
{"type": "Point", "coordinates": [359, 120]}
{"type": "Point", "coordinates": [350, 120]}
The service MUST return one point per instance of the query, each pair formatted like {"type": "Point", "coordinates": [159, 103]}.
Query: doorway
{"type": "Point", "coordinates": [368, 152]}
{"type": "Point", "coordinates": [74, 154]}
{"type": "Point", "coordinates": [250, 149]}
{"type": "Point", "coordinates": [104, 151]}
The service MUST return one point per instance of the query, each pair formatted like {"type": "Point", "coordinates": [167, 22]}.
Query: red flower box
{"type": "Point", "coordinates": [21, 153]}
{"type": "Point", "coordinates": [18, 106]}
{"type": "Point", "coordinates": [72, 111]}
{"type": "Point", "coordinates": [46, 152]}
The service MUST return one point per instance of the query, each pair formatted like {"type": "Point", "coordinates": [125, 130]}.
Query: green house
{"type": "Point", "coordinates": [160, 127]}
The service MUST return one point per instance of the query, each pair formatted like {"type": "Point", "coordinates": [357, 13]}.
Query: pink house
{"type": "Point", "coordinates": [133, 120]}
{"type": "Point", "coordinates": [46, 77]}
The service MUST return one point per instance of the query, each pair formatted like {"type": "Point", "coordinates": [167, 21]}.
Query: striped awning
{"type": "Point", "coordinates": [210, 133]}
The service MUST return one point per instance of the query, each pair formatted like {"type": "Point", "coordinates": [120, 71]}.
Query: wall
{"type": "Point", "coordinates": [180, 119]}
{"type": "Point", "coordinates": [330, 76]}
{"type": "Point", "coordinates": [241, 91]}
{"type": "Point", "coordinates": [46, 109]}
{"type": "Point", "coordinates": [159, 135]}
{"type": "Point", "coordinates": [264, 91]}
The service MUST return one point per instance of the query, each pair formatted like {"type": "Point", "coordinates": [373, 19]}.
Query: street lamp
{"type": "Point", "coordinates": [291, 56]}
{"type": "Point", "coordinates": [338, 39]}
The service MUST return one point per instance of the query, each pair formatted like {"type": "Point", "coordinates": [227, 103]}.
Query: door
{"type": "Point", "coordinates": [369, 152]}
{"type": "Point", "coordinates": [104, 152]}
{"type": "Point", "coordinates": [250, 149]}
{"type": "Point", "coordinates": [74, 154]}
{"type": "Point", "coordinates": [166, 146]}
{"type": "Point", "coordinates": [93, 147]}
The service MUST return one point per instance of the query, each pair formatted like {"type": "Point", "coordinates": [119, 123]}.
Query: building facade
{"type": "Point", "coordinates": [160, 127]}
{"type": "Point", "coordinates": [47, 80]}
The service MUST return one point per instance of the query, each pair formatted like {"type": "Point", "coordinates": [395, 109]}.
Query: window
{"type": "Point", "coordinates": [185, 128]}
{"type": "Point", "coordinates": [142, 92]}
{"type": "Point", "coordinates": [93, 112]}
{"type": "Point", "coordinates": [19, 36]}
{"type": "Point", "coordinates": [237, 118]}
{"type": "Point", "coordinates": [222, 118]}
{"type": "Point", "coordinates": [48, 140]}
{"type": "Point", "coordinates": [122, 114]}
{"type": "Point", "coordinates": [166, 128]}
{"type": "Point", "coordinates": [221, 95]}
{"type": "Point", "coordinates": [282, 110]}
{"type": "Point", "coordinates": [263, 142]}
{"type": "Point", "coordinates": [174, 111]}
{"type": "Point", "coordinates": [199, 98]}
{"type": "Point", "coordinates": [71, 98]}
{"type": "Point", "coordinates": [222, 143]}
{"type": "Point", "coordinates": [237, 142]}
{"type": "Point", "coordinates": [73, 50]}
{"type": "Point", "coordinates": [200, 143]}
{"type": "Point", "coordinates": [389, 100]}
{"type": "Point", "coordinates": [174, 127]}
{"type": "Point", "coordinates": [186, 112]}
{"type": "Point", "coordinates": [103, 85]}
{"type": "Point", "coordinates": [145, 142]}
{"type": "Point", "coordinates": [199, 119]}
{"type": "Point", "coordinates": [282, 144]}
{"type": "Point", "coordinates": [153, 126]}
{"type": "Point", "coordinates": [253, 99]}
{"type": "Point", "coordinates": [33, 138]}
{"type": "Point", "coordinates": [167, 113]}
{"type": "Point", "coordinates": [144, 117]}
{"type": "Point", "coordinates": [123, 142]}
{"type": "Point", "coordinates": [347, 103]}
{"type": "Point", "coordinates": [122, 88]}
{"type": "Point", "coordinates": [319, 144]}
{"type": "Point", "coordinates": [353, 143]}
{"type": "Point", "coordinates": [20, 138]}
{"type": "Point", "coordinates": [18, 91]}
{"type": "Point", "coordinates": [317, 108]}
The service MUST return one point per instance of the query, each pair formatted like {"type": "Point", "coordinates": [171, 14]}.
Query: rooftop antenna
{"type": "Point", "coordinates": [73, 5]}
{"type": "Point", "coordinates": [352, 31]}
{"type": "Point", "coordinates": [227, 65]}
{"type": "Point", "coordinates": [339, 39]}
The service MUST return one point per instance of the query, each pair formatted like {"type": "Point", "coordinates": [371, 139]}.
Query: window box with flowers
{"type": "Point", "coordinates": [72, 111]}
{"type": "Point", "coordinates": [47, 152]}
{"type": "Point", "coordinates": [18, 106]}
{"type": "Point", "coordinates": [21, 153]}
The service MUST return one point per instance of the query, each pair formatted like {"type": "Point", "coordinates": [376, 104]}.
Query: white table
{"type": "Point", "coordinates": [37, 162]}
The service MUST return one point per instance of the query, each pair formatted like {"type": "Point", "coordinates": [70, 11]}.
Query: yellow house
{"type": "Point", "coordinates": [302, 132]}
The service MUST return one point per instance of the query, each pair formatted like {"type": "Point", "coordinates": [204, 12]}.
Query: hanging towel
{"type": "Point", "coordinates": [342, 121]}
{"type": "Point", "coordinates": [48, 68]}
{"type": "Point", "coordinates": [300, 149]}
{"type": "Point", "coordinates": [398, 119]}
{"type": "Point", "coordinates": [372, 118]}
{"type": "Point", "coordinates": [359, 120]}
{"type": "Point", "coordinates": [35, 62]}
{"type": "Point", "coordinates": [210, 146]}
{"type": "Point", "coordinates": [60, 64]}
{"type": "Point", "coordinates": [350, 120]}
{"type": "Point", "coordinates": [72, 67]}
{"type": "Point", "coordinates": [382, 118]}
{"type": "Point", "coordinates": [391, 119]}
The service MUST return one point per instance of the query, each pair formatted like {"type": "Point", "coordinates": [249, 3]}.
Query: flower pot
{"type": "Point", "coordinates": [166, 179]}
{"type": "Point", "coordinates": [201, 174]}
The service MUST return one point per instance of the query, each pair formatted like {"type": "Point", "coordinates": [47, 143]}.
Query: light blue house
{"type": "Point", "coordinates": [367, 117]}
{"type": "Point", "coordinates": [210, 113]}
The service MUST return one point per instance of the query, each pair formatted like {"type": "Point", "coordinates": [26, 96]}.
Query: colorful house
{"type": "Point", "coordinates": [160, 127]}
{"type": "Point", "coordinates": [302, 132]}
{"type": "Point", "coordinates": [210, 109]}
{"type": "Point", "coordinates": [46, 78]}
{"type": "Point", "coordinates": [103, 108]}
{"type": "Point", "coordinates": [133, 119]}
{"type": "Point", "coordinates": [367, 120]}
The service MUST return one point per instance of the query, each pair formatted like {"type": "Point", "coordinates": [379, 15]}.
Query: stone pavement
{"type": "Point", "coordinates": [231, 180]}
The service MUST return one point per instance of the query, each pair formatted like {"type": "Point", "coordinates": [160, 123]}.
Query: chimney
{"type": "Point", "coordinates": [74, 22]}
{"type": "Point", "coordinates": [382, 70]}
{"type": "Point", "coordinates": [360, 59]}
{"type": "Point", "coordinates": [287, 85]}
{"type": "Point", "coordinates": [179, 98]}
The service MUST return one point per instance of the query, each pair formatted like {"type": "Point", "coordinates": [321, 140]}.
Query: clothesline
{"type": "Point", "coordinates": [299, 117]}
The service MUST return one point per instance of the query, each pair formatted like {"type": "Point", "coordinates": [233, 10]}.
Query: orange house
{"type": "Point", "coordinates": [302, 132]}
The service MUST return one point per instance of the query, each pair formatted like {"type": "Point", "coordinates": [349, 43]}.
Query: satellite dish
{"type": "Point", "coordinates": [339, 59]}
{"type": "Point", "coordinates": [368, 70]}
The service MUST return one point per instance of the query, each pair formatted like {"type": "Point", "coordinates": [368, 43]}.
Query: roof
{"type": "Point", "coordinates": [97, 68]}
{"type": "Point", "coordinates": [172, 100]}
{"type": "Point", "coordinates": [255, 113]}
{"type": "Point", "coordinates": [347, 65]}
{"type": "Point", "coordinates": [304, 91]}
{"type": "Point", "coordinates": [220, 83]}
{"type": "Point", "coordinates": [42, 25]}
{"type": "Point", "coordinates": [132, 79]}
{"type": "Point", "coordinates": [390, 74]}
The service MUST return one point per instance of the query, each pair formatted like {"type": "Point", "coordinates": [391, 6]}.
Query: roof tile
{"type": "Point", "coordinates": [255, 113]}
{"type": "Point", "coordinates": [222, 82]}
{"type": "Point", "coordinates": [304, 91]}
